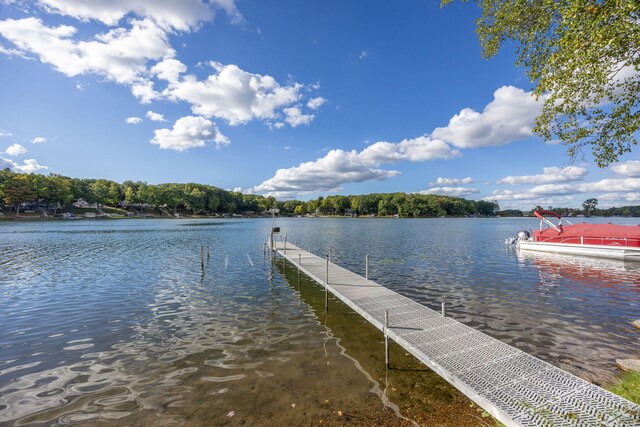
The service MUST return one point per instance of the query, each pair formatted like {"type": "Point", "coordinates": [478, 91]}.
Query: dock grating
{"type": "Point", "coordinates": [515, 387]}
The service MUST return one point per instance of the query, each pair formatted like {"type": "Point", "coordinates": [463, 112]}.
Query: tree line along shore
{"type": "Point", "coordinates": [54, 194]}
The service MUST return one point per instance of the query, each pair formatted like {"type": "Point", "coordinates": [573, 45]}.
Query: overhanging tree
{"type": "Point", "coordinates": [583, 58]}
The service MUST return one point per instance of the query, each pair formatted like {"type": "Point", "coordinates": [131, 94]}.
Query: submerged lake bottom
{"type": "Point", "coordinates": [117, 323]}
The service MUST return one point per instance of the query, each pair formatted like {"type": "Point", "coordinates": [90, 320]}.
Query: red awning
{"type": "Point", "coordinates": [591, 234]}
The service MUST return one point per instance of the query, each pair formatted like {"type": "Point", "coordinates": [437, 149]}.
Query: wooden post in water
{"type": "Point", "coordinates": [285, 244]}
{"type": "Point", "coordinates": [299, 261]}
{"type": "Point", "coordinates": [208, 252]}
{"type": "Point", "coordinates": [330, 256]}
{"type": "Point", "coordinates": [366, 267]}
{"type": "Point", "coordinates": [264, 250]}
{"type": "Point", "coordinates": [202, 257]}
{"type": "Point", "coordinates": [443, 314]}
{"type": "Point", "coordinates": [386, 338]}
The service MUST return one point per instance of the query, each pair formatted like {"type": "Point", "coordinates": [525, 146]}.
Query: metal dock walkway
{"type": "Point", "coordinates": [515, 387]}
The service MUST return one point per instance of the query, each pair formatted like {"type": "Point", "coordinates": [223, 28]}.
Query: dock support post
{"type": "Point", "coordinates": [443, 314]}
{"type": "Point", "coordinates": [208, 252]}
{"type": "Point", "coordinates": [386, 338]}
{"type": "Point", "coordinates": [264, 250]}
{"type": "Point", "coordinates": [327, 274]}
{"type": "Point", "coordinates": [330, 256]}
{"type": "Point", "coordinates": [326, 299]}
{"type": "Point", "coordinates": [202, 257]}
{"type": "Point", "coordinates": [285, 244]}
{"type": "Point", "coordinates": [366, 267]}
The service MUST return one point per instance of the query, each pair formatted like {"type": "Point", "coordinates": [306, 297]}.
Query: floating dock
{"type": "Point", "coordinates": [513, 386]}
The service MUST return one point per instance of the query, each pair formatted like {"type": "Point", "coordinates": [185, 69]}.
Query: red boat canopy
{"type": "Point", "coordinates": [540, 213]}
{"type": "Point", "coordinates": [591, 234]}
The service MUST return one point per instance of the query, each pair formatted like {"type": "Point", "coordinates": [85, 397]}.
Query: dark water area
{"type": "Point", "coordinates": [114, 321]}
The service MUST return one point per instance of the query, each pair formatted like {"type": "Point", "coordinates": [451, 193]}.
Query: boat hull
{"type": "Point", "coordinates": [624, 253]}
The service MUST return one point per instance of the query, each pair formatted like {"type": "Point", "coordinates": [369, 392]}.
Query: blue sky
{"type": "Point", "coordinates": [289, 98]}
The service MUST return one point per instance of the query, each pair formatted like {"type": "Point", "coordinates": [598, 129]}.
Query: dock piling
{"type": "Point", "coordinates": [366, 267]}
{"type": "Point", "coordinates": [386, 338]}
{"type": "Point", "coordinates": [208, 252]}
{"type": "Point", "coordinates": [327, 274]}
{"type": "Point", "coordinates": [202, 257]}
{"type": "Point", "coordinates": [330, 256]}
{"type": "Point", "coordinates": [264, 250]}
{"type": "Point", "coordinates": [443, 314]}
{"type": "Point", "coordinates": [326, 299]}
{"type": "Point", "coordinates": [285, 244]}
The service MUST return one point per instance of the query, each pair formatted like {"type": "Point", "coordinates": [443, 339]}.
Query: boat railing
{"type": "Point", "coordinates": [594, 240]}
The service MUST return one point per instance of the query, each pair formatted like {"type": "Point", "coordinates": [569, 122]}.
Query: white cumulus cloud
{"type": "Point", "coordinates": [629, 168]}
{"type": "Point", "coordinates": [620, 197]}
{"type": "Point", "coordinates": [509, 117]}
{"type": "Point", "coordinates": [5, 133]}
{"type": "Point", "coordinates": [549, 175]}
{"type": "Point", "coordinates": [450, 191]}
{"type": "Point", "coordinates": [610, 185]}
{"type": "Point", "coordinates": [174, 14]}
{"type": "Point", "coordinates": [27, 166]}
{"type": "Point", "coordinates": [295, 117]}
{"type": "Point", "coordinates": [136, 52]}
{"type": "Point", "coordinates": [169, 69]}
{"type": "Point", "coordinates": [603, 186]}
{"type": "Point", "coordinates": [339, 167]}
{"type": "Point", "coordinates": [189, 132]}
{"type": "Point", "coordinates": [15, 150]}
{"type": "Point", "coordinates": [234, 95]}
{"type": "Point", "coordinates": [418, 149]}
{"type": "Point", "coordinates": [38, 140]}
{"type": "Point", "coordinates": [120, 54]}
{"type": "Point", "coordinates": [451, 181]}
{"type": "Point", "coordinates": [315, 103]}
{"type": "Point", "coordinates": [156, 117]}
{"type": "Point", "coordinates": [133, 120]}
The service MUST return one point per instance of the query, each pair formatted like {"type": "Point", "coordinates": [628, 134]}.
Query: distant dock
{"type": "Point", "coordinates": [513, 386]}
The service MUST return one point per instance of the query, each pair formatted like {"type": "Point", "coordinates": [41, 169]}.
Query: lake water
{"type": "Point", "coordinates": [114, 321]}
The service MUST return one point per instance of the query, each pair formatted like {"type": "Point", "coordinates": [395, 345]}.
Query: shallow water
{"type": "Point", "coordinates": [116, 321]}
{"type": "Point", "coordinates": [571, 311]}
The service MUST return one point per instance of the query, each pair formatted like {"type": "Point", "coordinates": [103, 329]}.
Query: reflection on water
{"type": "Point", "coordinates": [618, 276]}
{"type": "Point", "coordinates": [115, 321]}
{"type": "Point", "coordinates": [103, 322]}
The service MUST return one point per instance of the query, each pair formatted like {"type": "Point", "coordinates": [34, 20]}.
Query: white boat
{"type": "Point", "coordinates": [611, 241]}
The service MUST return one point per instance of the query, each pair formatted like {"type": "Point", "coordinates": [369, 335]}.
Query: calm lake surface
{"type": "Point", "coordinates": [115, 320]}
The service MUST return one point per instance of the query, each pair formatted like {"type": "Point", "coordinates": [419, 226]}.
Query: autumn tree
{"type": "Point", "coordinates": [583, 59]}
